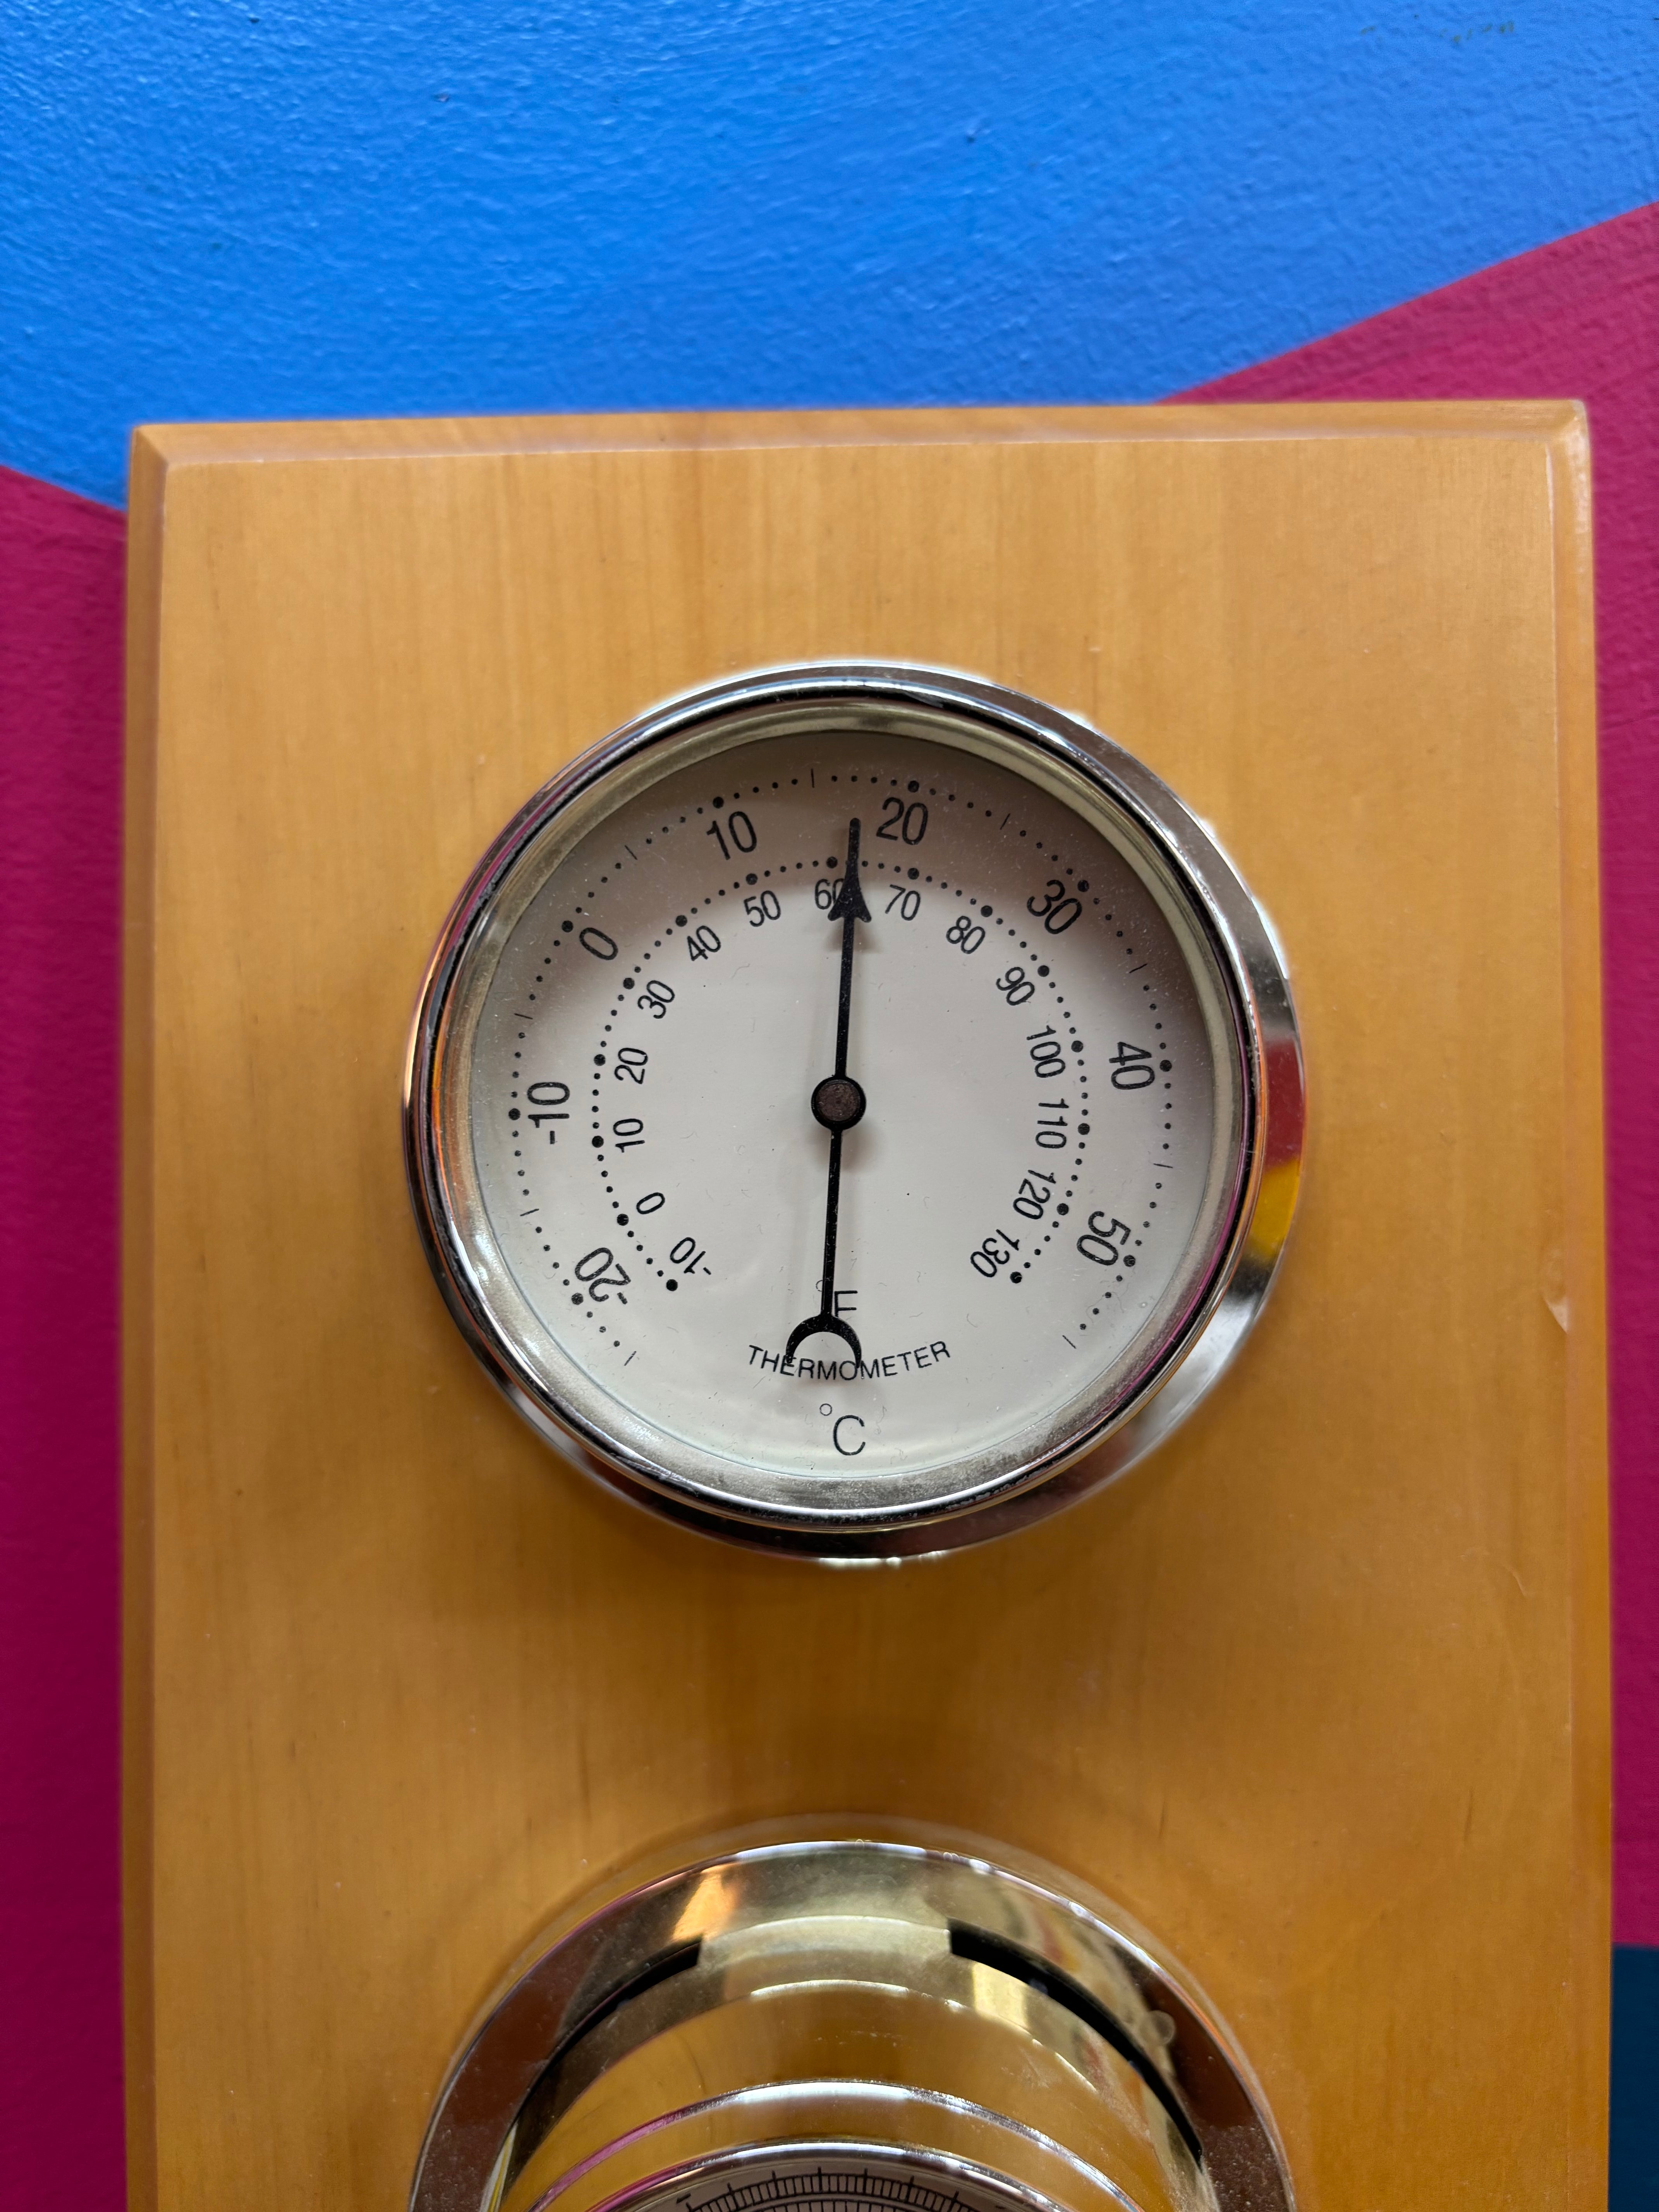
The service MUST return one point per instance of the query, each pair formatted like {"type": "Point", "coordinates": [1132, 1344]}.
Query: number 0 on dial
{"type": "Point", "coordinates": [854, 1109]}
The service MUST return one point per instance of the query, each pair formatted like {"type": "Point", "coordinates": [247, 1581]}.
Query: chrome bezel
{"type": "Point", "coordinates": [1131, 1403]}
{"type": "Point", "coordinates": [892, 1900]}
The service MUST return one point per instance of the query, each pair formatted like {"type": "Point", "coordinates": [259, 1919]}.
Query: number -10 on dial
{"type": "Point", "coordinates": [846, 1097]}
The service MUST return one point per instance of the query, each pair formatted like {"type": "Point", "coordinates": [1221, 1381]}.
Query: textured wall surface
{"type": "Point", "coordinates": [60, 1641]}
{"type": "Point", "coordinates": [270, 207]}
{"type": "Point", "coordinates": [264, 211]}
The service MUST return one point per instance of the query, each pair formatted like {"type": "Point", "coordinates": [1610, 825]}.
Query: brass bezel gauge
{"type": "Point", "coordinates": [856, 1109]}
{"type": "Point", "coordinates": [829, 2022]}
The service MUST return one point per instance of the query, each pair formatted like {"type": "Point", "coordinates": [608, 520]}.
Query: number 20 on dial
{"type": "Point", "coordinates": [854, 1109]}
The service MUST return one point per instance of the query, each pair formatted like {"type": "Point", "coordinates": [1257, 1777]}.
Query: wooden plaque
{"type": "Point", "coordinates": [1319, 1692]}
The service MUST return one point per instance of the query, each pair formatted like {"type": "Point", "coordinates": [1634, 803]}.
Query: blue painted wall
{"type": "Point", "coordinates": [1633, 2152]}
{"type": "Point", "coordinates": [266, 207]}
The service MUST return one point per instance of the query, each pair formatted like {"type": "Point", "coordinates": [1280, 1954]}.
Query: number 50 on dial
{"type": "Point", "coordinates": [854, 1109]}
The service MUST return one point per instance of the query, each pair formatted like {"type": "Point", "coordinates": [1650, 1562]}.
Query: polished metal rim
{"type": "Point", "coordinates": [1126, 1409]}
{"type": "Point", "coordinates": [819, 1915]}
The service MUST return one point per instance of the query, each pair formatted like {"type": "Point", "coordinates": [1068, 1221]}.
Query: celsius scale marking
{"type": "Point", "coordinates": [849, 1113]}
{"type": "Point", "coordinates": [1037, 1188]}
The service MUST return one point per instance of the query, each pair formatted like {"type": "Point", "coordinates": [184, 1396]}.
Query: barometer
{"type": "Point", "coordinates": [854, 1109]}
{"type": "Point", "coordinates": [822, 2024]}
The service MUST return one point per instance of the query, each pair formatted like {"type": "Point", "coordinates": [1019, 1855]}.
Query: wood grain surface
{"type": "Point", "coordinates": [1318, 1692]}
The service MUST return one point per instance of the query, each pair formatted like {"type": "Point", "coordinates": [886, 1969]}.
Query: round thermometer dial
{"type": "Point", "coordinates": [845, 1097]}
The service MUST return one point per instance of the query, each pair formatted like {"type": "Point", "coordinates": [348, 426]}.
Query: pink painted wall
{"type": "Point", "coordinates": [60, 893]}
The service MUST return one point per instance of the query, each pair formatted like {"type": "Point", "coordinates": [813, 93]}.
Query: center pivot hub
{"type": "Point", "coordinates": [838, 1101]}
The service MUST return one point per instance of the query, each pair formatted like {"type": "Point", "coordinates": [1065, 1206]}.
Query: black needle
{"type": "Point", "coordinates": [838, 1103]}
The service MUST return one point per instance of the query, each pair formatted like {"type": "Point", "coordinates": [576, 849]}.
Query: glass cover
{"type": "Point", "coordinates": [832, 1174]}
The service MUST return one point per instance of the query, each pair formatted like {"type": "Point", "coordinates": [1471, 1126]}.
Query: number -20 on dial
{"type": "Point", "coordinates": [848, 1097]}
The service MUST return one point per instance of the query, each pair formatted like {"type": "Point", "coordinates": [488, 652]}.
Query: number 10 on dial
{"type": "Point", "coordinates": [854, 1109]}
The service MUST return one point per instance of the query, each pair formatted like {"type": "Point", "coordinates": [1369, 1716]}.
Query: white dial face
{"type": "Point", "coordinates": [852, 1177]}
